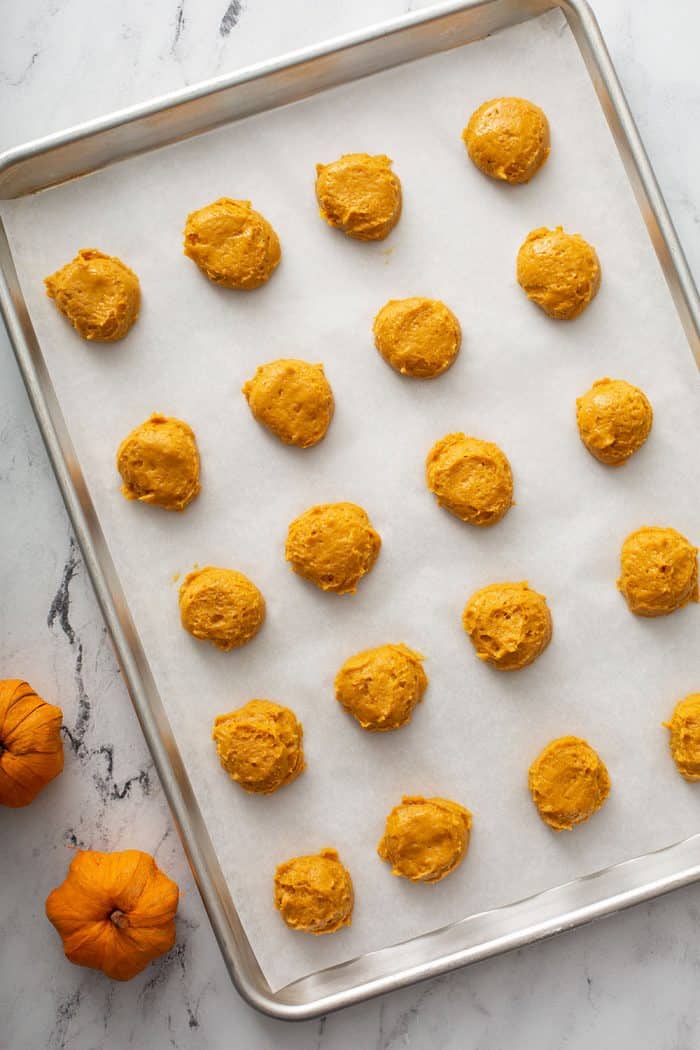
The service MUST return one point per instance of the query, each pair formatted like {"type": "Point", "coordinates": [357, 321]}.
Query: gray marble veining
{"type": "Point", "coordinates": [629, 981]}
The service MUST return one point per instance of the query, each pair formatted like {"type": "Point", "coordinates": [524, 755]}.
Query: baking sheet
{"type": "Point", "coordinates": [607, 675]}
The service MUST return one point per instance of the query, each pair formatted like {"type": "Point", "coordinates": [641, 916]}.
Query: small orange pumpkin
{"type": "Point", "coordinates": [31, 748]}
{"type": "Point", "coordinates": [115, 912]}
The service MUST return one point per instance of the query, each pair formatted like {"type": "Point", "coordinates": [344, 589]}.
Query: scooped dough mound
{"type": "Point", "coordinates": [659, 571]}
{"type": "Point", "coordinates": [359, 195]}
{"type": "Point", "coordinates": [159, 463]}
{"type": "Point", "coordinates": [685, 736]}
{"type": "Point", "coordinates": [568, 782]}
{"type": "Point", "coordinates": [293, 399]}
{"type": "Point", "coordinates": [614, 419]}
{"type": "Point", "coordinates": [333, 545]}
{"type": "Point", "coordinates": [260, 745]}
{"type": "Point", "coordinates": [98, 294]}
{"type": "Point", "coordinates": [509, 624]}
{"type": "Point", "coordinates": [470, 478]}
{"type": "Point", "coordinates": [508, 139]}
{"type": "Point", "coordinates": [314, 893]}
{"type": "Point", "coordinates": [417, 337]}
{"type": "Point", "coordinates": [381, 687]}
{"type": "Point", "coordinates": [234, 245]}
{"type": "Point", "coordinates": [558, 271]}
{"type": "Point", "coordinates": [425, 838]}
{"type": "Point", "coordinates": [221, 606]}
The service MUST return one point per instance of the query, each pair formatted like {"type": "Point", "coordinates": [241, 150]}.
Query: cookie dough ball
{"type": "Point", "coordinates": [685, 736]}
{"type": "Point", "coordinates": [260, 746]}
{"type": "Point", "coordinates": [359, 195]}
{"type": "Point", "coordinates": [425, 838]}
{"type": "Point", "coordinates": [381, 687]}
{"type": "Point", "coordinates": [98, 294]}
{"type": "Point", "coordinates": [159, 463]}
{"type": "Point", "coordinates": [614, 419]}
{"type": "Point", "coordinates": [417, 337]}
{"type": "Point", "coordinates": [509, 624]}
{"type": "Point", "coordinates": [293, 399]}
{"type": "Point", "coordinates": [314, 893]}
{"type": "Point", "coordinates": [333, 545]}
{"type": "Point", "coordinates": [221, 606]}
{"type": "Point", "coordinates": [659, 571]}
{"type": "Point", "coordinates": [470, 478]}
{"type": "Point", "coordinates": [232, 244]}
{"type": "Point", "coordinates": [558, 271]}
{"type": "Point", "coordinates": [568, 783]}
{"type": "Point", "coordinates": [508, 139]}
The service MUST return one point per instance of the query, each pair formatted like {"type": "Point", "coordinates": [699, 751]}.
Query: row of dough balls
{"type": "Point", "coordinates": [236, 247]}
{"type": "Point", "coordinates": [425, 839]}
{"type": "Point", "coordinates": [101, 296]}
{"type": "Point", "coordinates": [260, 744]}
{"type": "Point", "coordinates": [293, 400]}
{"type": "Point", "coordinates": [159, 460]}
{"type": "Point", "coordinates": [333, 546]}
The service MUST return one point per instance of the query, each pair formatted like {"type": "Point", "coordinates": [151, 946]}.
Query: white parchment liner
{"type": "Point", "coordinates": [607, 675]}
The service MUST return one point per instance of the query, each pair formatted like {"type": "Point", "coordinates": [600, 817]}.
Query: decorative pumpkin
{"type": "Point", "coordinates": [31, 748]}
{"type": "Point", "coordinates": [115, 912]}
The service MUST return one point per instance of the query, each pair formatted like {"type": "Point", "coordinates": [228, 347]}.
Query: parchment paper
{"type": "Point", "coordinates": [607, 676]}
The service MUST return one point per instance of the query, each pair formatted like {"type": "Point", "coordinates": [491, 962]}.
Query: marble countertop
{"type": "Point", "coordinates": [628, 981]}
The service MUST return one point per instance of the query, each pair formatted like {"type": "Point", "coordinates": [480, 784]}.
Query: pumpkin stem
{"type": "Point", "coordinates": [120, 919]}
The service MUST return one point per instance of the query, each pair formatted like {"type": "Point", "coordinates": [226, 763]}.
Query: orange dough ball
{"type": "Point", "coordinates": [508, 139]}
{"type": "Point", "coordinates": [98, 294]}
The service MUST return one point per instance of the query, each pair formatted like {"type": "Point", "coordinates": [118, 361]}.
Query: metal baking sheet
{"type": "Point", "coordinates": [77, 153]}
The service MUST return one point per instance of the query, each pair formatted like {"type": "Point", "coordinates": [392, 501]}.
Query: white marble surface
{"type": "Point", "coordinates": [629, 981]}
